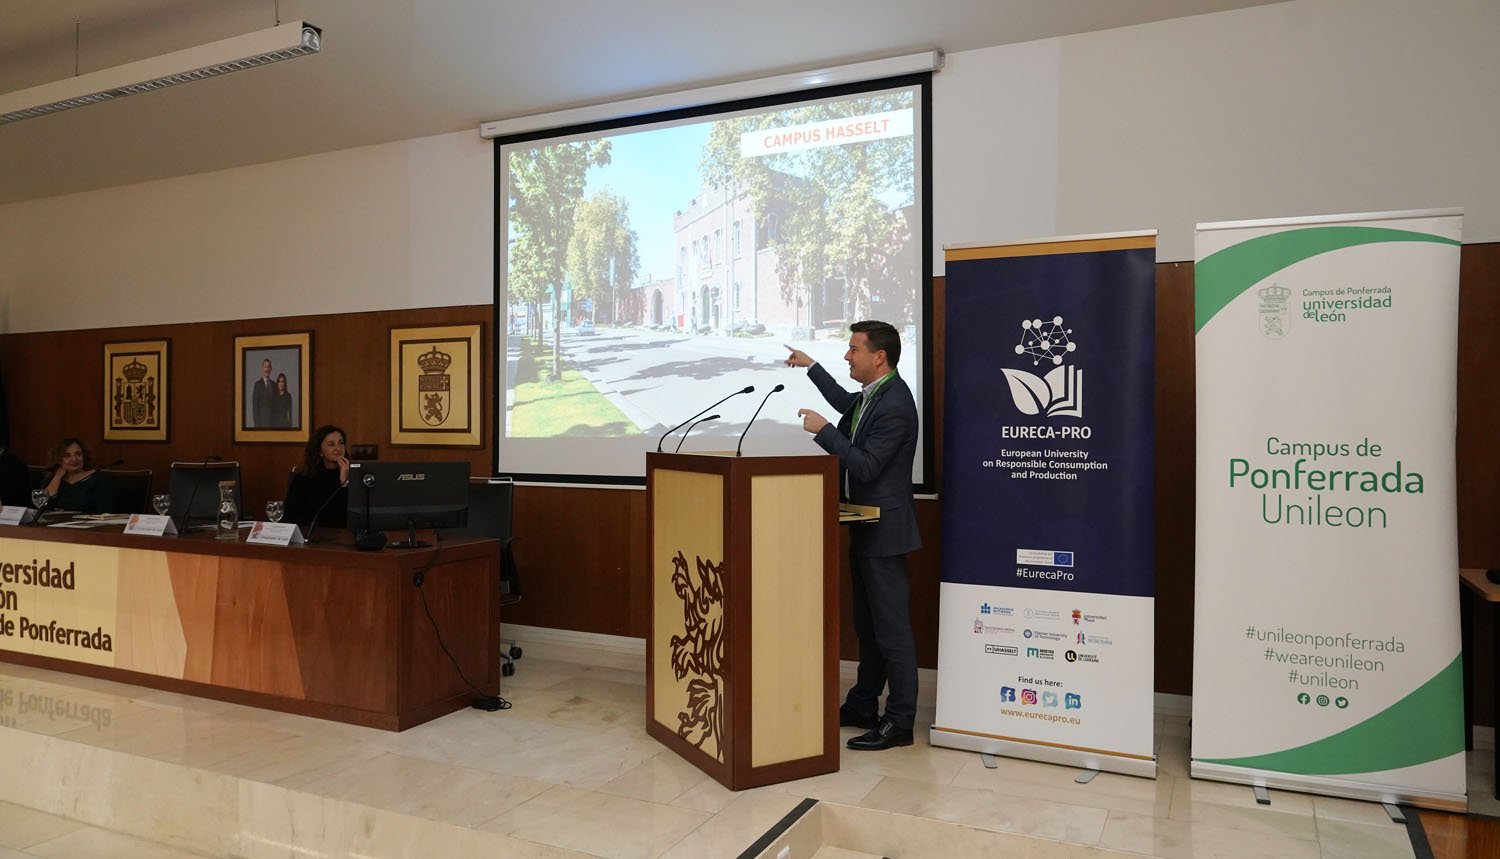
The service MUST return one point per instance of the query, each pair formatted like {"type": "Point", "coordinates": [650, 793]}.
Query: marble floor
{"type": "Point", "coordinates": [91, 768]}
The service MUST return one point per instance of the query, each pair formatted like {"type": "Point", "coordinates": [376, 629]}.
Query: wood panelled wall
{"type": "Point", "coordinates": [582, 552]}
{"type": "Point", "coordinates": [55, 382]}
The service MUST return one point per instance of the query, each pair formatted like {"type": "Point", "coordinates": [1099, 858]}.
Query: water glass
{"type": "Point", "coordinates": [161, 502]}
{"type": "Point", "coordinates": [274, 510]}
{"type": "Point", "coordinates": [39, 498]}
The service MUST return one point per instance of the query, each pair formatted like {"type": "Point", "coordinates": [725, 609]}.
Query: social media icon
{"type": "Point", "coordinates": [1072, 701]}
{"type": "Point", "coordinates": [1341, 702]}
{"type": "Point", "coordinates": [1049, 699]}
{"type": "Point", "coordinates": [1303, 697]}
{"type": "Point", "coordinates": [1028, 696]}
{"type": "Point", "coordinates": [1322, 700]}
{"type": "Point", "coordinates": [1007, 693]}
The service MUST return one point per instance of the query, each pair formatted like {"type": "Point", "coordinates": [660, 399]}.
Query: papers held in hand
{"type": "Point", "coordinates": [858, 513]}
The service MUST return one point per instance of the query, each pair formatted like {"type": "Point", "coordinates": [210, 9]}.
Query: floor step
{"type": "Point", "coordinates": [831, 852]}
{"type": "Point", "coordinates": [26, 832]}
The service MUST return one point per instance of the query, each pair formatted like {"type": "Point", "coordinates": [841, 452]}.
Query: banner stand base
{"type": "Point", "coordinates": [1345, 788]}
{"type": "Point", "coordinates": [1089, 759]}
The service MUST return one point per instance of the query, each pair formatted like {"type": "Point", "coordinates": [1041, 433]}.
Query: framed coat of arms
{"type": "Point", "coordinates": [135, 391]}
{"type": "Point", "coordinates": [435, 378]}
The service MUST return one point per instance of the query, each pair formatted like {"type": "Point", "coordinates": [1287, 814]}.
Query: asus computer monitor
{"type": "Point", "coordinates": [385, 496]}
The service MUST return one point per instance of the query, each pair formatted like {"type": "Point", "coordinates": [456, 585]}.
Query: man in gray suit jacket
{"type": "Point", "coordinates": [875, 441]}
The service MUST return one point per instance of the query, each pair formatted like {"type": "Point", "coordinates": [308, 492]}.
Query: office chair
{"type": "Point", "coordinates": [196, 485]}
{"type": "Point", "coordinates": [491, 514]}
{"type": "Point", "coordinates": [132, 489]}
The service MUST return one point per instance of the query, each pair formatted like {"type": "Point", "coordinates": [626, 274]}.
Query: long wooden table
{"type": "Point", "coordinates": [321, 630]}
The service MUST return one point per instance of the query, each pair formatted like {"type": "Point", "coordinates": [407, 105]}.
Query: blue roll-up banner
{"type": "Point", "coordinates": [1046, 633]}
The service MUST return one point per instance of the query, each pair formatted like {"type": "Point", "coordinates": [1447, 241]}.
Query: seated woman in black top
{"type": "Point", "coordinates": [15, 480]}
{"type": "Point", "coordinates": [321, 482]}
{"type": "Point", "coordinates": [76, 484]}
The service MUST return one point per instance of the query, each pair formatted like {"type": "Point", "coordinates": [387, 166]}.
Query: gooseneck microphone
{"type": "Point", "coordinates": [748, 389]}
{"type": "Point", "coordinates": [690, 429]}
{"type": "Point", "coordinates": [312, 524]}
{"type": "Point", "coordinates": [754, 416]}
{"type": "Point", "coordinates": [187, 512]}
{"type": "Point", "coordinates": [368, 539]}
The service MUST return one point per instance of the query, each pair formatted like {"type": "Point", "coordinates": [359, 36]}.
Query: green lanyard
{"type": "Point", "coordinates": [859, 406]}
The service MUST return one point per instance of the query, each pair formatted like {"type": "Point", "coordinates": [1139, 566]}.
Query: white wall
{"type": "Point", "coordinates": [404, 224]}
{"type": "Point", "coordinates": [1306, 107]}
{"type": "Point", "coordinates": [994, 145]}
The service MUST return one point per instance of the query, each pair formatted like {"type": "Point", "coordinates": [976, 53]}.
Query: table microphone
{"type": "Point", "coordinates": [754, 416]}
{"type": "Point", "coordinates": [312, 524]}
{"type": "Point", "coordinates": [690, 429]}
{"type": "Point", "coordinates": [367, 539]}
{"type": "Point", "coordinates": [748, 389]}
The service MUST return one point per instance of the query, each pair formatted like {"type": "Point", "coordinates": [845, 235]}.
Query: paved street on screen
{"type": "Point", "coordinates": [660, 378]}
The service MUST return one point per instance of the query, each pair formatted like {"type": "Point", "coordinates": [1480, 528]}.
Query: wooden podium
{"type": "Point", "coordinates": [742, 660]}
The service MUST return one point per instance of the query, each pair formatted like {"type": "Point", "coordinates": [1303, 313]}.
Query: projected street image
{"type": "Point", "coordinates": [651, 271]}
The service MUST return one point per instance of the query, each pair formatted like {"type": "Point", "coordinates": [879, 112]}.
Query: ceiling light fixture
{"type": "Point", "coordinates": [263, 47]}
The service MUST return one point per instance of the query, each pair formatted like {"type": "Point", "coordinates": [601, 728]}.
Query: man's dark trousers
{"type": "Point", "coordinates": [887, 650]}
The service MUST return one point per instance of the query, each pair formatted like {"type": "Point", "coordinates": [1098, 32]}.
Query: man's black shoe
{"type": "Point", "coordinates": [854, 719]}
{"type": "Point", "coordinates": [883, 736]}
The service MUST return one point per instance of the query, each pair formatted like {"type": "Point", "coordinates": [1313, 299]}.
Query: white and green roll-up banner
{"type": "Point", "coordinates": [1326, 637]}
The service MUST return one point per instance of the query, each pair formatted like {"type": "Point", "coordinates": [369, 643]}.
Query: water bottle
{"type": "Point", "coordinates": [229, 512]}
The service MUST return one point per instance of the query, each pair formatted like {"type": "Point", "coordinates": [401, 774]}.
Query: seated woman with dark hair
{"type": "Point", "coordinates": [77, 485]}
{"type": "Point", "coordinates": [321, 482]}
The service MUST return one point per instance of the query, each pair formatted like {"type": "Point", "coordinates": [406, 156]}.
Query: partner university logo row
{"type": "Point", "coordinates": [1042, 653]}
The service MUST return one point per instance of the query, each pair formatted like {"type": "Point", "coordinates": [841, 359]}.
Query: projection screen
{"type": "Point", "coordinates": [646, 268]}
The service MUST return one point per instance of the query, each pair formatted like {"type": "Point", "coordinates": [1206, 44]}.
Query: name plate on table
{"type": "Point", "coordinates": [150, 525]}
{"type": "Point", "coordinates": [15, 514]}
{"type": "Point", "coordinates": [275, 534]}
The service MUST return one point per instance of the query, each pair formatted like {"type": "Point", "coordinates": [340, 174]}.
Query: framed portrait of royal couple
{"type": "Point", "coordinates": [272, 387]}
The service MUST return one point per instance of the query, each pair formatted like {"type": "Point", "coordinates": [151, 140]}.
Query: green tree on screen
{"type": "Point", "coordinates": [833, 203]}
{"type": "Point", "coordinates": [546, 186]}
{"type": "Point", "coordinates": [602, 260]}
